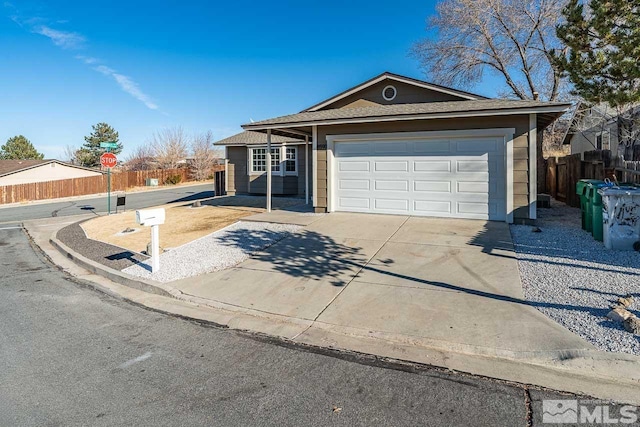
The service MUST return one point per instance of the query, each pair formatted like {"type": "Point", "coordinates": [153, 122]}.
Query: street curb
{"type": "Point", "coordinates": [109, 273]}
{"type": "Point", "coordinates": [612, 376]}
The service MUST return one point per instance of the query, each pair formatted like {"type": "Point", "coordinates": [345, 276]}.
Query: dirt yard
{"type": "Point", "coordinates": [183, 224]}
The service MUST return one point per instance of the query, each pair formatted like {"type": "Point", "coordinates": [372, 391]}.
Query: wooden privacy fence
{"type": "Point", "coordinates": [120, 181]}
{"type": "Point", "coordinates": [564, 172]}
{"type": "Point", "coordinates": [628, 171]}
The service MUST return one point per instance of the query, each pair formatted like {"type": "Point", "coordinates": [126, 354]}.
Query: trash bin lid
{"type": "Point", "coordinates": [619, 191]}
{"type": "Point", "coordinates": [583, 184]}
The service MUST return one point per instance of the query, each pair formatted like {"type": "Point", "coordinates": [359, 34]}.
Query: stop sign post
{"type": "Point", "coordinates": [108, 160]}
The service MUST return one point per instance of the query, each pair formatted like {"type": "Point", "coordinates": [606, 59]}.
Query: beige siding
{"type": "Point", "coordinates": [406, 94]}
{"type": "Point", "coordinates": [46, 172]}
{"type": "Point", "coordinates": [520, 143]}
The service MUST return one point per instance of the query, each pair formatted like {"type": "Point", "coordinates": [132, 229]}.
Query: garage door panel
{"type": "Point", "coordinates": [381, 185]}
{"type": "Point", "coordinates": [473, 187]}
{"type": "Point", "coordinates": [432, 207]}
{"type": "Point", "coordinates": [460, 178]}
{"type": "Point", "coordinates": [354, 166]}
{"type": "Point", "coordinates": [470, 166]}
{"type": "Point", "coordinates": [354, 203]}
{"type": "Point", "coordinates": [398, 205]}
{"type": "Point", "coordinates": [432, 186]}
{"type": "Point", "coordinates": [432, 166]}
{"type": "Point", "coordinates": [353, 148]}
{"type": "Point", "coordinates": [391, 166]}
{"type": "Point", "coordinates": [354, 184]}
{"type": "Point", "coordinates": [433, 146]}
{"type": "Point", "coordinates": [477, 146]}
{"type": "Point", "coordinates": [391, 148]}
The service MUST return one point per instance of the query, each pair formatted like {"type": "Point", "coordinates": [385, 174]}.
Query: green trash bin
{"type": "Point", "coordinates": [583, 190]}
{"type": "Point", "coordinates": [595, 203]}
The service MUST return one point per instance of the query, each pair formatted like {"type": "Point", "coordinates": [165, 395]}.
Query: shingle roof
{"type": "Point", "coordinates": [251, 138]}
{"type": "Point", "coordinates": [10, 166]}
{"type": "Point", "coordinates": [389, 111]}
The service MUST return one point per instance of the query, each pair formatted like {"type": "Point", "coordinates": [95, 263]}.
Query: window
{"type": "Point", "coordinates": [259, 160]}
{"type": "Point", "coordinates": [291, 163]}
{"type": "Point", "coordinates": [603, 140]}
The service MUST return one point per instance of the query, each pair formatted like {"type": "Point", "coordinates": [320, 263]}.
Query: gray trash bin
{"type": "Point", "coordinates": [621, 217]}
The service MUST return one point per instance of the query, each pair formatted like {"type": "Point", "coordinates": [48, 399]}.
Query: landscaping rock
{"type": "Point", "coordinates": [619, 315]}
{"type": "Point", "coordinates": [632, 324]}
{"type": "Point", "coordinates": [626, 301]}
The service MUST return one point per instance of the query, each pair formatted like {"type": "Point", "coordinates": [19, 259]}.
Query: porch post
{"type": "Point", "coordinates": [268, 170]}
{"type": "Point", "coordinates": [306, 169]}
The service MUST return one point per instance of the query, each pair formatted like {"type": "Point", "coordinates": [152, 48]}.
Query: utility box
{"type": "Point", "coordinates": [621, 217]}
{"type": "Point", "coordinates": [150, 217]}
{"type": "Point", "coordinates": [151, 182]}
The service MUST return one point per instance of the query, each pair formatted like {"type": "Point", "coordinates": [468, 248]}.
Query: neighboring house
{"type": "Point", "coordinates": [598, 127]}
{"type": "Point", "coordinates": [14, 172]}
{"type": "Point", "coordinates": [397, 145]}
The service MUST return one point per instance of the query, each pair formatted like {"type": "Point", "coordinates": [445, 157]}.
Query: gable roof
{"type": "Point", "coordinates": [255, 138]}
{"type": "Point", "coordinates": [430, 110]}
{"type": "Point", "coordinates": [395, 77]}
{"type": "Point", "coordinates": [8, 167]}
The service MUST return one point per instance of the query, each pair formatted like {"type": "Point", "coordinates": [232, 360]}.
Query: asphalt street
{"type": "Point", "coordinates": [70, 355]}
{"type": "Point", "coordinates": [98, 205]}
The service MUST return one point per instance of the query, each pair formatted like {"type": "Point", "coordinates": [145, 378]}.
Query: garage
{"type": "Point", "coordinates": [455, 177]}
{"type": "Point", "coordinates": [398, 145]}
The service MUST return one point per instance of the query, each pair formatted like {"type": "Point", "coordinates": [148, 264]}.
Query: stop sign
{"type": "Point", "coordinates": [108, 160]}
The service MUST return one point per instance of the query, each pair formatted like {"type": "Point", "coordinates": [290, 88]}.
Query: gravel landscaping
{"type": "Point", "coordinates": [217, 251]}
{"type": "Point", "coordinates": [574, 279]}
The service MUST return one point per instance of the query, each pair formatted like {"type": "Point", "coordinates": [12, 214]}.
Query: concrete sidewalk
{"type": "Point", "coordinates": [442, 292]}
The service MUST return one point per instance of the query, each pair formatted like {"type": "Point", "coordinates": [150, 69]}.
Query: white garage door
{"type": "Point", "coordinates": [458, 178]}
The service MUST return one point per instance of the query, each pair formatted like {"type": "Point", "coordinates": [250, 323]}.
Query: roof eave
{"type": "Point", "coordinates": [558, 109]}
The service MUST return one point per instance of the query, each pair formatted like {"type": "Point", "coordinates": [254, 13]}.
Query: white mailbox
{"type": "Point", "coordinates": [150, 217]}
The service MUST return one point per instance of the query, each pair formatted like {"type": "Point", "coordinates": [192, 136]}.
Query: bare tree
{"type": "Point", "coordinates": [142, 158]}
{"type": "Point", "coordinates": [70, 154]}
{"type": "Point", "coordinates": [203, 155]}
{"type": "Point", "coordinates": [513, 38]}
{"type": "Point", "coordinates": [170, 147]}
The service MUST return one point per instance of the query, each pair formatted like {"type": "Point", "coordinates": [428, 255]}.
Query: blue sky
{"type": "Point", "coordinates": [144, 65]}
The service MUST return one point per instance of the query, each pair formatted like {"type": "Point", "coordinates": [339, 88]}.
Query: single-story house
{"type": "Point", "coordinates": [13, 172]}
{"type": "Point", "coordinates": [397, 145]}
{"type": "Point", "coordinates": [600, 127]}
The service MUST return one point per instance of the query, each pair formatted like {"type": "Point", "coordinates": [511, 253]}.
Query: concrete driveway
{"type": "Point", "coordinates": [426, 281]}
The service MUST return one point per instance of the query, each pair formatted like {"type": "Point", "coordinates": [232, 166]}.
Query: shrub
{"type": "Point", "coordinates": [173, 180]}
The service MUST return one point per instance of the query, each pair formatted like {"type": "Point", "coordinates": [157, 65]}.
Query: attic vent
{"type": "Point", "coordinates": [389, 93]}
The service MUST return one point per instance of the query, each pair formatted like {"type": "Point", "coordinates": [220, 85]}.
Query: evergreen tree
{"type": "Point", "coordinates": [19, 148]}
{"type": "Point", "coordinates": [602, 57]}
{"type": "Point", "coordinates": [90, 152]}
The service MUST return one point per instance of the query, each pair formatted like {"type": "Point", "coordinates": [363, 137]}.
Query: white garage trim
{"type": "Point", "coordinates": [505, 133]}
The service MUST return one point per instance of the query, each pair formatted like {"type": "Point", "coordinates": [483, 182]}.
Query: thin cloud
{"type": "Point", "coordinates": [63, 39]}
{"type": "Point", "coordinates": [71, 40]}
{"type": "Point", "coordinates": [127, 85]}
{"type": "Point", "coordinates": [88, 59]}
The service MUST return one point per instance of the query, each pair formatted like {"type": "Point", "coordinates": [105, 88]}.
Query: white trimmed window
{"type": "Point", "coordinates": [291, 160]}
{"type": "Point", "coordinates": [259, 160]}
{"type": "Point", "coordinates": [603, 140]}
{"type": "Point", "coordinates": [284, 160]}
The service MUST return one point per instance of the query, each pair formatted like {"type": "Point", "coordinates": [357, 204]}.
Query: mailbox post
{"type": "Point", "coordinates": [152, 218]}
